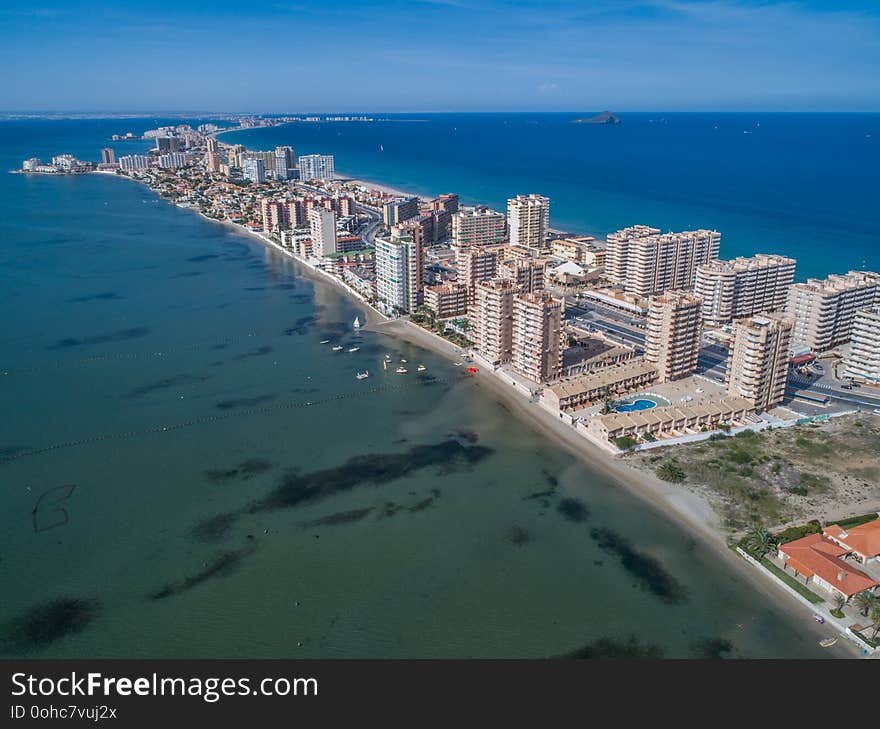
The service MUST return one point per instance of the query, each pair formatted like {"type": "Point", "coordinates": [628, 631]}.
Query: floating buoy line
{"type": "Point", "coordinates": [157, 429]}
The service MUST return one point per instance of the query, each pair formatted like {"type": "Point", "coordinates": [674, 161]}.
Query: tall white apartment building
{"type": "Point", "coordinates": [863, 362]}
{"type": "Point", "coordinates": [322, 226]}
{"type": "Point", "coordinates": [823, 310]}
{"type": "Point", "coordinates": [399, 272]}
{"type": "Point", "coordinates": [172, 160]}
{"type": "Point", "coordinates": [651, 264]}
{"type": "Point", "coordinates": [537, 336]}
{"type": "Point", "coordinates": [490, 319]}
{"type": "Point", "coordinates": [528, 220]}
{"type": "Point", "coordinates": [743, 286]}
{"type": "Point", "coordinates": [254, 169]}
{"type": "Point", "coordinates": [757, 366]}
{"type": "Point", "coordinates": [315, 167]}
{"type": "Point", "coordinates": [134, 162]}
{"type": "Point", "coordinates": [285, 162]}
{"type": "Point", "coordinates": [672, 339]}
{"type": "Point", "coordinates": [477, 226]}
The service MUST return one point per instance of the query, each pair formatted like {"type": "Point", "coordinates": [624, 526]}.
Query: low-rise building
{"type": "Point", "coordinates": [819, 561]}
{"type": "Point", "coordinates": [672, 420]}
{"type": "Point", "coordinates": [862, 542]}
{"type": "Point", "coordinates": [618, 379]}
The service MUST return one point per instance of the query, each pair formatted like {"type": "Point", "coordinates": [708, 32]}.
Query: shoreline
{"type": "Point", "coordinates": [683, 508]}
{"type": "Point", "coordinates": [678, 506]}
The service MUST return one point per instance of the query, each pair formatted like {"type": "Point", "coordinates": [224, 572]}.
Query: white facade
{"type": "Point", "coordinates": [322, 224]}
{"type": "Point", "coordinates": [255, 170]}
{"type": "Point", "coordinates": [399, 272]}
{"type": "Point", "coordinates": [863, 362]}
{"type": "Point", "coordinates": [528, 220]}
{"type": "Point", "coordinates": [134, 162]}
{"type": "Point", "coordinates": [315, 167]}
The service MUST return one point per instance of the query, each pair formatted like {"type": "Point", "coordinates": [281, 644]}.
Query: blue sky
{"type": "Point", "coordinates": [440, 55]}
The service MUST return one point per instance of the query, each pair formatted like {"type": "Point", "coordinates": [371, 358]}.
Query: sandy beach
{"type": "Point", "coordinates": [686, 509]}
{"type": "Point", "coordinates": [383, 188]}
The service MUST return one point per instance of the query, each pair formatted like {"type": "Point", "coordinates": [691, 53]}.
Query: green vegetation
{"type": "Point", "coordinates": [758, 542]}
{"type": "Point", "coordinates": [767, 476]}
{"type": "Point", "coordinates": [856, 520]}
{"type": "Point", "coordinates": [669, 471]}
{"type": "Point", "coordinates": [865, 602]}
{"type": "Point", "coordinates": [625, 443]}
{"type": "Point", "coordinates": [798, 532]}
{"type": "Point", "coordinates": [839, 601]}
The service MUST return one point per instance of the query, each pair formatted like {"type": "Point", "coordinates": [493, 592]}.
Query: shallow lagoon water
{"type": "Point", "coordinates": [186, 471]}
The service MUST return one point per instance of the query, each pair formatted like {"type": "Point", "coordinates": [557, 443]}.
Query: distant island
{"type": "Point", "coordinates": [604, 117]}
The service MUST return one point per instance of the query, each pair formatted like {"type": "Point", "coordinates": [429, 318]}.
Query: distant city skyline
{"type": "Point", "coordinates": [441, 55]}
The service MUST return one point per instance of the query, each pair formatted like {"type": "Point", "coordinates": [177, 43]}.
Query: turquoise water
{"type": "Point", "coordinates": [635, 406]}
{"type": "Point", "coordinates": [186, 471]}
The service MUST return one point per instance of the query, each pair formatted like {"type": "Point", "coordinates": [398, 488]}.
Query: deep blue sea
{"type": "Point", "coordinates": [186, 471]}
{"type": "Point", "coordinates": [804, 185]}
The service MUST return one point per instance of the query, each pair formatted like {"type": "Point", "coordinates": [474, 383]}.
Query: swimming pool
{"type": "Point", "coordinates": [635, 405]}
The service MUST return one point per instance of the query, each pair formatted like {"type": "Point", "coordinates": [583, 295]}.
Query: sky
{"type": "Point", "coordinates": [440, 55]}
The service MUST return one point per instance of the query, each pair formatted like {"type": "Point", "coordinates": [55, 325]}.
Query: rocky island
{"type": "Point", "coordinates": [604, 117]}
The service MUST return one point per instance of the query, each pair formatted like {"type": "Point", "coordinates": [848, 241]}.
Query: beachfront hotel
{"type": "Point", "coordinates": [528, 220]}
{"type": "Point", "coordinates": [743, 286]}
{"type": "Point", "coordinates": [477, 226]}
{"type": "Point", "coordinates": [274, 214]}
{"type": "Point", "coordinates": [645, 263]}
{"type": "Point", "coordinates": [537, 336]}
{"type": "Point", "coordinates": [322, 226]}
{"type": "Point", "coordinates": [448, 300]}
{"type": "Point", "coordinates": [490, 317]}
{"type": "Point", "coordinates": [757, 365]}
{"type": "Point", "coordinates": [108, 156]}
{"type": "Point", "coordinates": [399, 272]}
{"type": "Point", "coordinates": [863, 361]}
{"type": "Point", "coordinates": [672, 339]}
{"type": "Point", "coordinates": [823, 310]}
{"type": "Point", "coordinates": [315, 167]}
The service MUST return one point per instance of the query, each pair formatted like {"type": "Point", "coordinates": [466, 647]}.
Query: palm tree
{"type": "Point", "coordinates": [607, 400]}
{"type": "Point", "coordinates": [839, 602]}
{"type": "Point", "coordinates": [759, 541]}
{"type": "Point", "coordinates": [875, 618]}
{"type": "Point", "coordinates": [865, 601]}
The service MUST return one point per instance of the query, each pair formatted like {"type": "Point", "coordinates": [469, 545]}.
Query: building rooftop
{"type": "Point", "coordinates": [816, 555]}
{"type": "Point", "coordinates": [604, 377]}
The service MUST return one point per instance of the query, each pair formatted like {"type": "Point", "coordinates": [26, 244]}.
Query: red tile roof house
{"type": "Point", "coordinates": [863, 540]}
{"type": "Point", "coordinates": [819, 561]}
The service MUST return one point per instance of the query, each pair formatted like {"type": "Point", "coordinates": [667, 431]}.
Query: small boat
{"type": "Point", "coordinates": [421, 368]}
{"type": "Point", "coordinates": [472, 370]}
{"type": "Point", "coordinates": [818, 618]}
{"type": "Point", "coordinates": [827, 642]}
{"type": "Point", "coordinates": [384, 364]}
{"type": "Point", "coordinates": [337, 348]}
{"type": "Point", "coordinates": [456, 364]}
{"type": "Point", "coordinates": [401, 370]}
{"type": "Point", "coordinates": [324, 341]}
{"type": "Point", "coordinates": [357, 323]}
{"type": "Point", "coordinates": [403, 360]}
{"type": "Point", "coordinates": [387, 356]}
{"type": "Point", "coordinates": [353, 349]}
{"type": "Point", "coordinates": [363, 375]}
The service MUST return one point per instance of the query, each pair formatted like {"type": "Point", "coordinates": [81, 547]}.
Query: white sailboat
{"type": "Point", "coordinates": [357, 323]}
